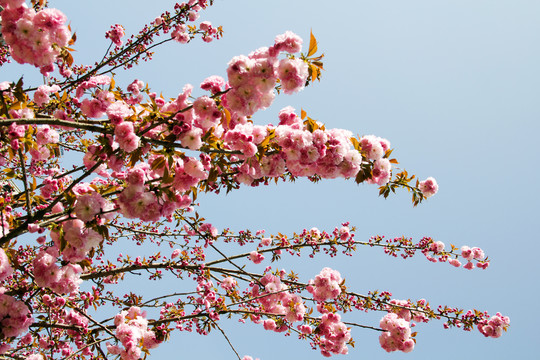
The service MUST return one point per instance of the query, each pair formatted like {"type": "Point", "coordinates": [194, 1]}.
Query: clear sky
{"type": "Point", "coordinates": [452, 84]}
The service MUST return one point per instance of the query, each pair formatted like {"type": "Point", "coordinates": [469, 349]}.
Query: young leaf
{"type": "Point", "coordinates": [312, 45]}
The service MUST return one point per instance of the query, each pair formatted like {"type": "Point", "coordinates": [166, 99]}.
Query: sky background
{"type": "Point", "coordinates": [452, 84]}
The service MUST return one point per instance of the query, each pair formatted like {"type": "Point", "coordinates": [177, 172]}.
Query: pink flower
{"type": "Point", "coordinates": [373, 146]}
{"type": "Point", "coordinates": [287, 116]}
{"type": "Point", "coordinates": [92, 108]}
{"type": "Point", "coordinates": [288, 42]}
{"type": "Point", "coordinates": [41, 96]}
{"type": "Point", "coordinates": [256, 257]}
{"type": "Point", "coordinates": [428, 187]}
{"type": "Point", "coordinates": [180, 34]}
{"type": "Point", "coordinates": [192, 139]}
{"type": "Point", "coordinates": [214, 84]}
{"type": "Point", "coordinates": [293, 74]}
{"type": "Point", "coordinates": [482, 265]}
{"type": "Point", "coordinates": [89, 205]}
{"type": "Point", "coordinates": [125, 136]}
{"type": "Point", "coordinates": [454, 262]}
{"type": "Point", "coordinates": [437, 247]}
{"type": "Point", "coordinates": [46, 135]}
{"type": "Point", "coordinates": [5, 267]}
{"type": "Point", "coordinates": [175, 253]}
{"type": "Point", "coordinates": [478, 253]}
{"type": "Point", "coordinates": [50, 18]}
{"type": "Point", "coordinates": [35, 357]}
{"type": "Point", "coordinates": [467, 253]}
{"type": "Point", "coordinates": [14, 316]}
{"type": "Point", "coordinates": [118, 111]}
{"type": "Point", "coordinates": [269, 325]}
{"type": "Point", "coordinates": [228, 283]}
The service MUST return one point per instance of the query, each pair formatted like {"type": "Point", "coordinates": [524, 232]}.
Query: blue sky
{"type": "Point", "coordinates": [452, 84]}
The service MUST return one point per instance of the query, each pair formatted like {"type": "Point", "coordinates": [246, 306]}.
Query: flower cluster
{"type": "Point", "coordinates": [397, 334]}
{"type": "Point", "coordinates": [276, 299]}
{"type": "Point", "coordinates": [324, 152]}
{"type": "Point", "coordinates": [41, 96]}
{"type": "Point", "coordinates": [252, 78]}
{"type": "Point", "coordinates": [494, 326]}
{"type": "Point", "coordinates": [132, 331]}
{"type": "Point", "coordinates": [326, 285]}
{"type": "Point", "coordinates": [80, 240]}
{"type": "Point", "coordinates": [116, 34]}
{"type": "Point", "coordinates": [90, 204]}
{"type": "Point", "coordinates": [469, 254]}
{"type": "Point", "coordinates": [15, 318]}
{"type": "Point", "coordinates": [334, 335]}
{"type": "Point", "coordinates": [64, 280]}
{"type": "Point", "coordinates": [5, 267]}
{"type": "Point", "coordinates": [34, 38]}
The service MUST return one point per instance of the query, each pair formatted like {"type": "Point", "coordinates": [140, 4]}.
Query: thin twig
{"type": "Point", "coordinates": [226, 338]}
{"type": "Point", "coordinates": [25, 182]}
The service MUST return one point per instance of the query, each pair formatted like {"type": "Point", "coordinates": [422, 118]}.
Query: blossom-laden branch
{"type": "Point", "coordinates": [142, 160]}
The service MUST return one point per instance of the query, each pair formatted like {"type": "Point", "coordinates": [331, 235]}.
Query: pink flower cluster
{"type": "Point", "coordinates": [124, 135]}
{"type": "Point", "coordinates": [375, 148]}
{"type": "Point", "coordinates": [252, 78]}
{"type": "Point", "coordinates": [210, 32]}
{"type": "Point", "coordinates": [35, 357]}
{"type": "Point", "coordinates": [34, 38]}
{"type": "Point", "coordinates": [72, 318]}
{"type": "Point", "coordinates": [256, 257]}
{"type": "Point", "coordinates": [46, 135]}
{"type": "Point", "coordinates": [15, 318]}
{"type": "Point", "coordinates": [90, 204]}
{"type": "Point", "coordinates": [467, 253]}
{"type": "Point", "coordinates": [41, 96]}
{"type": "Point", "coordinates": [228, 283]}
{"type": "Point", "coordinates": [474, 253]}
{"type": "Point", "coordinates": [397, 334]}
{"type": "Point", "coordinates": [97, 106]}
{"type": "Point", "coordinates": [180, 31]}
{"type": "Point", "coordinates": [494, 326]}
{"type": "Point", "coordinates": [5, 267]}
{"type": "Point", "coordinates": [80, 240]}
{"type": "Point", "coordinates": [327, 153]}
{"type": "Point", "coordinates": [326, 285]}
{"type": "Point", "coordinates": [404, 313]}
{"type": "Point", "coordinates": [64, 280]}
{"type": "Point", "coordinates": [334, 335]}
{"type": "Point", "coordinates": [116, 34]}
{"type": "Point", "coordinates": [136, 201]}
{"type": "Point", "coordinates": [277, 300]}
{"type": "Point", "coordinates": [189, 172]}
{"type": "Point", "coordinates": [92, 82]}
{"type": "Point", "coordinates": [180, 34]}
{"type": "Point", "coordinates": [132, 331]}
